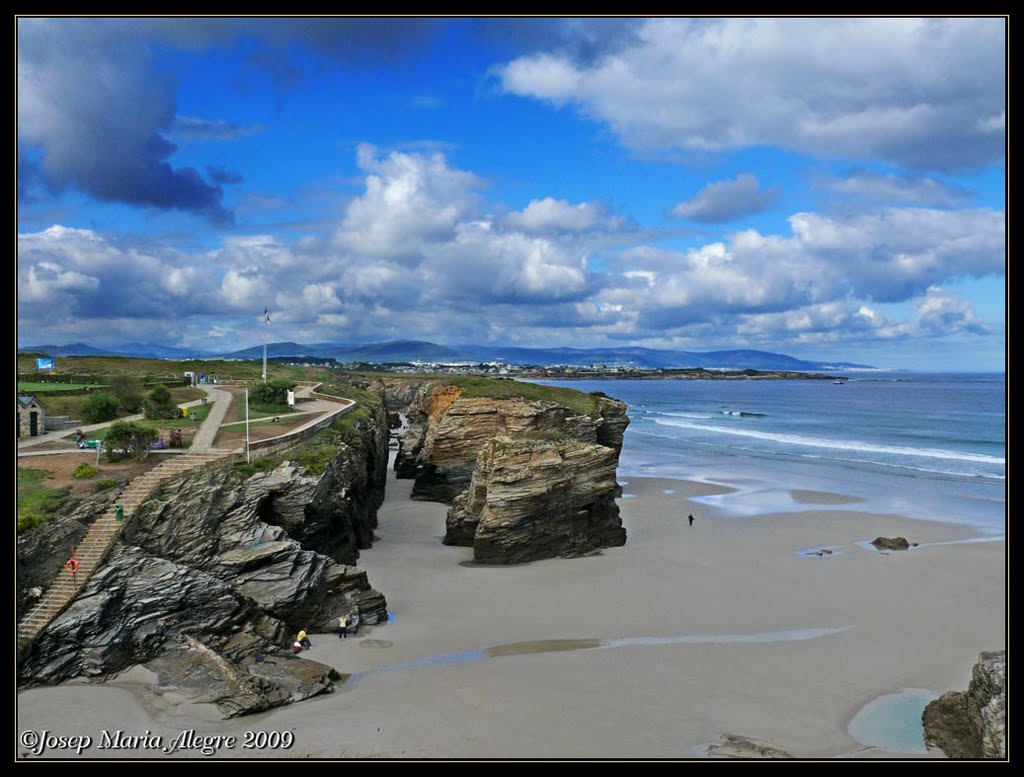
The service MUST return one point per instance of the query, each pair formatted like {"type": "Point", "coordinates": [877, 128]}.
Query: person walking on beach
{"type": "Point", "coordinates": [343, 627]}
{"type": "Point", "coordinates": [303, 640]}
{"type": "Point", "coordinates": [691, 519]}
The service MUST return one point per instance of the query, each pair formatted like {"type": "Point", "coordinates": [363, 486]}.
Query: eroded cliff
{"type": "Point", "coordinates": [529, 469]}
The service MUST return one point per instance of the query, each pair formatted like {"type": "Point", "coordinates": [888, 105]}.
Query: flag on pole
{"type": "Point", "coordinates": [266, 316]}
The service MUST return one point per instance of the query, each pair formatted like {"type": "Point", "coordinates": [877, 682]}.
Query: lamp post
{"type": "Point", "coordinates": [266, 329]}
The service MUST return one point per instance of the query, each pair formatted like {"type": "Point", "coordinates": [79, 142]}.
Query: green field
{"type": "Point", "coordinates": [24, 387]}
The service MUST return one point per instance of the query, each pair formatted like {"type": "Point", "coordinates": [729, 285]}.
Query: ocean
{"type": "Point", "coordinates": [929, 446]}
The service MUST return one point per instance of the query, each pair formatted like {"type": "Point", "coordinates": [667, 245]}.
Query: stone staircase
{"type": "Point", "coordinates": [98, 541]}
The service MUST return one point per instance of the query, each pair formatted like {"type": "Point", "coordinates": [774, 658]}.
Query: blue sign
{"type": "Point", "coordinates": [44, 364]}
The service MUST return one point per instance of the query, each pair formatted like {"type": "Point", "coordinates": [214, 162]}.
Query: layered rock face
{"type": "Point", "coordinates": [528, 478]}
{"type": "Point", "coordinates": [213, 576]}
{"type": "Point", "coordinates": [532, 499]}
{"type": "Point", "coordinates": [447, 431]}
{"type": "Point", "coordinates": [972, 723]}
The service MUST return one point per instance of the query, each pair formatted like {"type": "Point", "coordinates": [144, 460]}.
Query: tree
{"type": "Point", "coordinates": [273, 392]}
{"type": "Point", "coordinates": [131, 438]}
{"type": "Point", "coordinates": [160, 395]}
{"type": "Point", "coordinates": [102, 406]}
{"type": "Point", "coordinates": [128, 391]}
{"type": "Point", "coordinates": [159, 403]}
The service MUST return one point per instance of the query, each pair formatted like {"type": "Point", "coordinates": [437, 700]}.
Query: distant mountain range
{"type": "Point", "coordinates": [419, 351]}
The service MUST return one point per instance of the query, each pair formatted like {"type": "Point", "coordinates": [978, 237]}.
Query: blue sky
{"type": "Point", "coordinates": [829, 188]}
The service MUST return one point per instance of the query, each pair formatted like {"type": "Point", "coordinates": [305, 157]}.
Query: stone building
{"type": "Point", "coordinates": [31, 417]}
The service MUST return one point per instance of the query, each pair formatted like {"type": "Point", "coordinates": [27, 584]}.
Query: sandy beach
{"type": "Point", "coordinates": [652, 650]}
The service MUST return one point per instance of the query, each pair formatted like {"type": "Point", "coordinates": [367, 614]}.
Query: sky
{"type": "Point", "coordinates": [827, 188]}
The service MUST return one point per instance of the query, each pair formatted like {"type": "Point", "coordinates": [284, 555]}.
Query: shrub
{"type": "Point", "coordinates": [274, 391]}
{"type": "Point", "coordinates": [131, 438]}
{"type": "Point", "coordinates": [84, 471]}
{"type": "Point", "coordinates": [103, 485]}
{"type": "Point", "coordinates": [315, 459]}
{"type": "Point", "coordinates": [265, 464]}
{"type": "Point", "coordinates": [160, 404]}
{"type": "Point", "coordinates": [154, 412]}
{"type": "Point", "coordinates": [102, 406]}
{"type": "Point", "coordinates": [160, 395]}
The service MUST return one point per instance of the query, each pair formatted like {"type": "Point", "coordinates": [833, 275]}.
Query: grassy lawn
{"type": "Point", "coordinates": [36, 500]}
{"type": "Point", "coordinates": [186, 394]}
{"type": "Point", "coordinates": [72, 407]}
{"type": "Point", "coordinates": [25, 387]}
{"type": "Point", "coordinates": [264, 422]}
{"type": "Point", "coordinates": [270, 409]}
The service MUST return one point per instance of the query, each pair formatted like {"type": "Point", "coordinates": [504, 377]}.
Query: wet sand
{"type": "Point", "coordinates": [652, 650]}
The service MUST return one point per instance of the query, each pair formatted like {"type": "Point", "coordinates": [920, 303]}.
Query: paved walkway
{"type": "Point", "coordinates": [203, 440]}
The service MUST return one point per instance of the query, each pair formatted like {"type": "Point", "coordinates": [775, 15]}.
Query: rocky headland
{"type": "Point", "coordinates": [214, 574]}
{"type": "Point", "coordinates": [529, 470]}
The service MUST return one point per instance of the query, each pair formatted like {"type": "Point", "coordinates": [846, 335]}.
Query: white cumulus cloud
{"type": "Point", "coordinates": [904, 90]}
{"type": "Point", "coordinates": [726, 200]}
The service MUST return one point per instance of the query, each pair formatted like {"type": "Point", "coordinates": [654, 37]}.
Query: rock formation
{"type": "Point", "coordinates": [198, 634]}
{"type": "Point", "coordinates": [215, 573]}
{"type": "Point", "coordinates": [972, 723]}
{"type": "Point", "coordinates": [529, 470]}
{"type": "Point", "coordinates": [891, 543]}
{"type": "Point", "coordinates": [532, 499]}
{"type": "Point", "coordinates": [736, 746]}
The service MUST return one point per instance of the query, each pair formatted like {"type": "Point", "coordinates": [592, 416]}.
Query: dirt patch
{"type": "Point", "coordinates": [235, 437]}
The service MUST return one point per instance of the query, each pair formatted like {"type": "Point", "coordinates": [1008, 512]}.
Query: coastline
{"type": "Point", "coordinates": [652, 650]}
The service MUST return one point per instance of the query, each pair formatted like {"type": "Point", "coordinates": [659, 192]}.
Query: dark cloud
{"type": "Point", "coordinates": [100, 115]}
{"type": "Point", "coordinates": [97, 118]}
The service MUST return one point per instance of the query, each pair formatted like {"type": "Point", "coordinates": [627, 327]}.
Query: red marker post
{"type": "Point", "coordinates": [71, 565]}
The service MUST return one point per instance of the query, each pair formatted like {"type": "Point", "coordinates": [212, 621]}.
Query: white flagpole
{"type": "Point", "coordinates": [246, 424]}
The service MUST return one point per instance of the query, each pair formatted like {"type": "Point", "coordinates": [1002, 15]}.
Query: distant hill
{"type": "Point", "coordinates": [156, 351]}
{"type": "Point", "coordinates": [650, 358]}
{"type": "Point", "coordinates": [421, 351]}
{"type": "Point", "coordinates": [71, 349]}
{"type": "Point", "coordinates": [392, 351]}
{"type": "Point", "coordinates": [273, 349]}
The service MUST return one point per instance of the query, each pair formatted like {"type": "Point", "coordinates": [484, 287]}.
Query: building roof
{"type": "Point", "coordinates": [27, 401]}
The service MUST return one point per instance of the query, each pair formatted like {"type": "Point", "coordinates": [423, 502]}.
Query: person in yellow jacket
{"type": "Point", "coordinates": [343, 627]}
{"type": "Point", "coordinates": [303, 640]}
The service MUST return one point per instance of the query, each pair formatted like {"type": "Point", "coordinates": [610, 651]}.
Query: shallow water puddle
{"type": "Point", "coordinates": [893, 722]}
{"type": "Point", "coordinates": [563, 645]}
